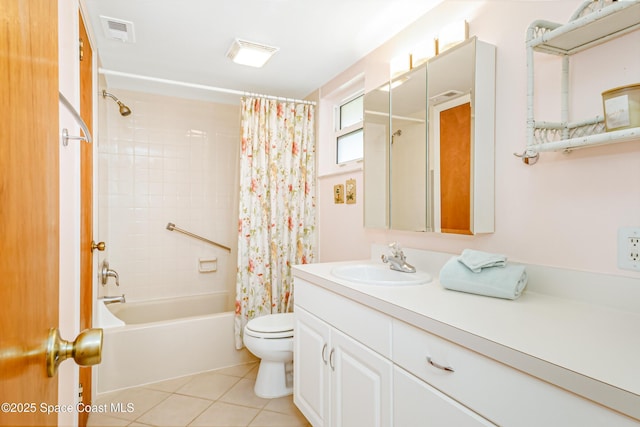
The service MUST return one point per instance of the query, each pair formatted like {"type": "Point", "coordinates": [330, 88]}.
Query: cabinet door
{"type": "Point", "coordinates": [361, 384]}
{"type": "Point", "coordinates": [312, 375]}
{"type": "Point", "coordinates": [417, 403]}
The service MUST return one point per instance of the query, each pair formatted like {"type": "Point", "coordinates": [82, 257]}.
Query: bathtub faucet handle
{"type": "Point", "coordinates": [106, 272]}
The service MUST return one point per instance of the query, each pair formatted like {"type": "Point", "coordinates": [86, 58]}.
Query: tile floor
{"type": "Point", "coordinates": [218, 398]}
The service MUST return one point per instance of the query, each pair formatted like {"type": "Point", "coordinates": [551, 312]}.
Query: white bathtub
{"type": "Point", "coordinates": [151, 341]}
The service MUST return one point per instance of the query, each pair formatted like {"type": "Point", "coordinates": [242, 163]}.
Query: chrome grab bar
{"type": "Point", "coordinates": [172, 227]}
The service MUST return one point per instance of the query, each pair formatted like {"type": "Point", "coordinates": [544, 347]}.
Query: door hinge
{"type": "Point", "coordinates": [81, 49]}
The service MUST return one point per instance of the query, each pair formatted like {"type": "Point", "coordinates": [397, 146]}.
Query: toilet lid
{"type": "Point", "coordinates": [278, 325]}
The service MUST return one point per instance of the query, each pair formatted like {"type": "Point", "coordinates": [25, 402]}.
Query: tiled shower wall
{"type": "Point", "coordinates": [172, 160]}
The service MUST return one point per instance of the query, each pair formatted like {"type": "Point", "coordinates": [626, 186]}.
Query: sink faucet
{"type": "Point", "coordinates": [397, 261]}
{"type": "Point", "coordinates": [111, 300]}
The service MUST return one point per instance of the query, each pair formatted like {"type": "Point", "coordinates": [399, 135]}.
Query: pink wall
{"type": "Point", "coordinates": [564, 211]}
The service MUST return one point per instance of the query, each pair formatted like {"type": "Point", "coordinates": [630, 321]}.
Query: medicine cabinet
{"type": "Point", "coordinates": [429, 145]}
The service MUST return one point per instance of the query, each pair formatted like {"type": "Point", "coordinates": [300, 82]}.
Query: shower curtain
{"type": "Point", "coordinates": [276, 225]}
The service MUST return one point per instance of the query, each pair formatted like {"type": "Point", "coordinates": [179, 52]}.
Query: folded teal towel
{"type": "Point", "coordinates": [507, 282]}
{"type": "Point", "coordinates": [477, 260]}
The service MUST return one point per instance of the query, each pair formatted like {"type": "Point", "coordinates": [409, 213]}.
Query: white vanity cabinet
{"type": "Point", "coordinates": [493, 390]}
{"type": "Point", "coordinates": [338, 381]}
{"type": "Point", "coordinates": [417, 403]}
{"type": "Point", "coordinates": [360, 360]}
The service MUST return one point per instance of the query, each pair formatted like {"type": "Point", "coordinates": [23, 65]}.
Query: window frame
{"type": "Point", "coordinates": [353, 128]}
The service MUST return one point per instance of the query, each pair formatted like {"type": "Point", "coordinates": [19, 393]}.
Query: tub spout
{"type": "Point", "coordinates": [111, 300]}
{"type": "Point", "coordinates": [106, 272]}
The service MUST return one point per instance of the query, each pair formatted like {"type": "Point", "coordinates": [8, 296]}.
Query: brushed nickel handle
{"type": "Point", "coordinates": [324, 349]}
{"type": "Point", "coordinates": [333, 368]}
{"type": "Point", "coordinates": [439, 366]}
{"type": "Point", "coordinates": [86, 349]}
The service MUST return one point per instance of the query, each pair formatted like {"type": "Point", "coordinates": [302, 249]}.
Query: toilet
{"type": "Point", "coordinates": [270, 338]}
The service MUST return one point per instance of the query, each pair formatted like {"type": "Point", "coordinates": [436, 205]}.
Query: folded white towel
{"type": "Point", "coordinates": [507, 282]}
{"type": "Point", "coordinates": [477, 260]}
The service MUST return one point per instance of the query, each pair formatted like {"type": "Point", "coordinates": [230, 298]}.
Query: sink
{"type": "Point", "coordinates": [379, 274]}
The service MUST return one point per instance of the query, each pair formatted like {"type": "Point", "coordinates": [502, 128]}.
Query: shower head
{"type": "Point", "coordinates": [124, 110]}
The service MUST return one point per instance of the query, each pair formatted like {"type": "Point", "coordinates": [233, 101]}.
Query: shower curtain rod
{"type": "Point", "coordinates": [199, 86]}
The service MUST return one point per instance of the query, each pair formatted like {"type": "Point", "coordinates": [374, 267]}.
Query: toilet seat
{"type": "Point", "coordinates": [271, 326]}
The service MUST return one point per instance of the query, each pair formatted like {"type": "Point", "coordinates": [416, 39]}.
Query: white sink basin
{"type": "Point", "coordinates": [379, 274]}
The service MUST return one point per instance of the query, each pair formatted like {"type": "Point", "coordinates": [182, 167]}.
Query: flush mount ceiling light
{"type": "Point", "coordinates": [250, 53]}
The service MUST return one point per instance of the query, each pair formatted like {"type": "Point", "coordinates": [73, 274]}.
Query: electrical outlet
{"type": "Point", "coordinates": [629, 248]}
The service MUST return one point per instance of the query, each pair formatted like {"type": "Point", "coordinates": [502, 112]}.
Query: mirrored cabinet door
{"type": "Point", "coordinates": [408, 152]}
{"type": "Point", "coordinates": [429, 145]}
{"type": "Point", "coordinates": [376, 154]}
{"type": "Point", "coordinates": [461, 96]}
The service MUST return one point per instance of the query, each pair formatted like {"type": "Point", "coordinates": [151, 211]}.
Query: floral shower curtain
{"type": "Point", "coordinates": [276, 225]}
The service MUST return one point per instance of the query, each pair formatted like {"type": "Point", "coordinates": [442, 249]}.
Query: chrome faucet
{"type": "Point", "coordinates": [111, 300]}
{"type": "Point", "coordinates": [106, 272]}
{"type": "Point", "coordinates": [397, 261]}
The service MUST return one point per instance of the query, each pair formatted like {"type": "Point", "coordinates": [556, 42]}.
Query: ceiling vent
{"type": "Point", "coordinates": [118, 29]}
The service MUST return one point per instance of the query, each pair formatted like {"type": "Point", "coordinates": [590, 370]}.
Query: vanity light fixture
{"type": "Point", "coordinates": [452, 34]}
{"type": "Point", "coordinates": [400, 65]}
{"type": "Point", "coordinates": [250, 53]}
{"type": "Point", "coordinates": [394, 84]}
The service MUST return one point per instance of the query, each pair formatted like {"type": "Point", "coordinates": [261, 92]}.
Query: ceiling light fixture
{"type": "Point", "coordinates": [250, 53]}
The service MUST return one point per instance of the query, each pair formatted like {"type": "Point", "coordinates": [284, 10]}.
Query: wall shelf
{"type": "Point", "coordinates": [594, 23]}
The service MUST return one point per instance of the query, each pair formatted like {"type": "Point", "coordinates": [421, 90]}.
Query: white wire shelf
{"type": "Point", "coordinates": [586, 31]}
{"type": "Point", "coordinates": [595, 22]}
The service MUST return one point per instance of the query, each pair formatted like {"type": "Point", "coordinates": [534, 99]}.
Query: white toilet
{"type": "Point", "coordinates": [270, 338]}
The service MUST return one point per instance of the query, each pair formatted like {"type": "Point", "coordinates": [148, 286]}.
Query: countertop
{"type": "Point", "coordinates": [589, 349]}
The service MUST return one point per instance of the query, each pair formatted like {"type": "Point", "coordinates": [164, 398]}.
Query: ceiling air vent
{"type": "Point", "coordinates": [118, 29]}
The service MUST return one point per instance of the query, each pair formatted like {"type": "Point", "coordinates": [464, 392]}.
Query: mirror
{"type": "Point", "coordinates": [461, 98]}
{"type": "Point", "coordinates": [376, 153]}
{"type": "Point", "coordinates": [447, 184]}
{"type": "Point", "coordinates": [408, 152]}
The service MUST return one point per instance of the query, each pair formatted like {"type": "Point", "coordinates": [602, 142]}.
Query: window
{"type": "Point", "coordinates": [349, 136]}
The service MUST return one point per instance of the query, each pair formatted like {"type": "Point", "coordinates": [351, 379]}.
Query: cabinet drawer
{"type": "Point", "coordinates": [505, 396]}
{"type": "Point", "coordinates": [368, 326]}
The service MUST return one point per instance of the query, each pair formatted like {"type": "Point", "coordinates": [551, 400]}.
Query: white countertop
{"type": "Point", "coordinates": [586, 348]}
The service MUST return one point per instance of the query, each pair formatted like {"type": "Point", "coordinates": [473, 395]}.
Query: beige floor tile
{"type": "Point", "coordinates": [238, 370]}
{"type": "Point", "coordinates": [174, 411]}
{"type": "Point", "coordinates": [208, 386]}
{"type": "Point", "coordinates": [101, 420]}
{"type": "Point", "coordinates": [284, 405]}
{"type": "Point", "coordinates": [170, 385]}
{"type": "Point", "coordinates": [242, 394]}
{"type": "Point", "coordinates": [253, 373]}
{"type": "Point", "coordinates": [222, 414]}
{"type": "Point", "coordinates": [133, 402]}
{"type": "Point", "coordinates": [277, 419]}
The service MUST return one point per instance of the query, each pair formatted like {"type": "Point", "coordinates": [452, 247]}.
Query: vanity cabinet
{"type": "Point", "coordinates": [495, 391]}
{"type": "Point", "coordinates": [417, 403]}
{"type": "Point", "coordinates": [338, 381]}
{"type": "Point", "coordinates": [355, 365]}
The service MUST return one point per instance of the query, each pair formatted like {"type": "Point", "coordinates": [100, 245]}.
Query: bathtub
{"type": "Point", "coordinates": [151, 341]}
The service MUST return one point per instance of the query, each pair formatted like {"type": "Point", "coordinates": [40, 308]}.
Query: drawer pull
{"type": "Point", "coordinates": [333, 368]}
{"type": "Point", "coordinates": [324, 350]}
{"type": "Point", "coordinates": [439, 366]}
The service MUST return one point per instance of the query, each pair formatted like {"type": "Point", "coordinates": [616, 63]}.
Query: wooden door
{"type": "Point", "coordinates": [455, 169]}
{"type": "Point", "coordinates": [86, 206]}
{"type": "Point", "coordinates": [29, 208]}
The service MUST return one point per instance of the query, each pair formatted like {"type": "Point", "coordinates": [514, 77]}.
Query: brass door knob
{"type": "Point", "coordinates": [99, 246]}
{"type": "Point", "coordinates": [86, 350]}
